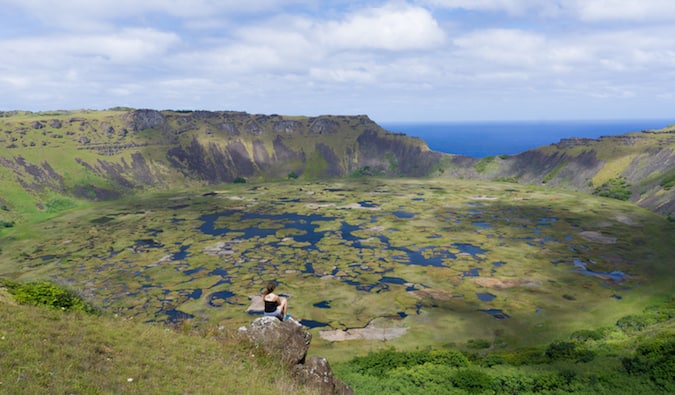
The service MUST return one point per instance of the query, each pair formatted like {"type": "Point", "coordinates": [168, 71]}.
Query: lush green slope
{"type": "Point", "coordinates": [45, 350]}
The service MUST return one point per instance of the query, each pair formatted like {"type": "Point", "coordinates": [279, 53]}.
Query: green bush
{"type": "Point", "coordinates": [562, 350]}
{"type": "Point", "coordinates": [292, 175]}
{"type": "Point", "coordinates": [48, 294]}
{"type": "Point", "coordinates": [6, 224]}
{"type": "Point", "coordinates": [524, 356]}
{"type": "Point", "coordinates": [654, 359]}
{"type": "Point", "coordinates": [615, 188]}
{"type": "Point", "coordinates": [239, 180]}
{"type": "Point", "coordinates": [668, 181]}
{"type": "Point", "coordinates": [479, 344]}
{"type": "Point", "coordinates": [472, 380]}
{"type": "Point", "coordinates": [379, 364]}
{"type": "Point", "coordinates": [588, 334]}
{"type": "Point", "coordinates": [638, 322]}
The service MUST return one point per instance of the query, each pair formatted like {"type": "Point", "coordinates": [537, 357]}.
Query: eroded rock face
{"type": "Point", "coordinates": [144, 119]}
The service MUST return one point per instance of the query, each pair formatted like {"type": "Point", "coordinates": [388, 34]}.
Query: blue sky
{"type": "Point", "coordinates": [397, 60]}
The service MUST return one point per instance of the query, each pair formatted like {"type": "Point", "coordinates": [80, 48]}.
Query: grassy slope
{"type": "Point", "coordinates": [44, 350]}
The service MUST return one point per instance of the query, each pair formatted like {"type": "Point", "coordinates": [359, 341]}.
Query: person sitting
{"type": "Point", "coordinates": [275, 305]}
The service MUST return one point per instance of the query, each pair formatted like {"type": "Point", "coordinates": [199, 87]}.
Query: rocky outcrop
{"type": "Point", "coordinates": [138, 120]}
{"type": "Point", "coordinates": [290, 341]}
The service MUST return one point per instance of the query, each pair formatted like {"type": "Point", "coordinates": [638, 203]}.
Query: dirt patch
{"type": "Point", "coordinates": [435, 294]}
{"type": "Point", "coordinates": [483, 198]}
{"type": "Point", "coordinates": [597, 237]}
{"type": "Point", "coordinates": [503, 283]}
{"type": "Point", "coordinates": [375, 330]}
{"type": "Point", "coordinates": [624, 219]}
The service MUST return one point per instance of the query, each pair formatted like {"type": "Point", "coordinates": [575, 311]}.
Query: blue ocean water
{"type": "Point", "coordinates": [481, 139]}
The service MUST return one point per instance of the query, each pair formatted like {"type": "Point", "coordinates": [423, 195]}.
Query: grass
{"type": "Point", "coordinates": [49, 351]}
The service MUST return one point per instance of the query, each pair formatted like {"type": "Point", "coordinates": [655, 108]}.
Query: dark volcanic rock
{"type": "Point", "coordinates": [138, 120]}
{"type": "Point", "coordinates": [323, 126]}
{"type": "Point", "coordinates": [287, 126]}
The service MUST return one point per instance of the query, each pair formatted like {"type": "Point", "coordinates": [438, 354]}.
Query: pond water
{"type": "Point", "coordinates": [221, 296]}
{"type": "Point", "coordinates": [403, 214]}
{"type": "Point", "coordinates": [496, 313]}
{"type": "Point", "coordinates": [313, 324]}
{"type": "Point", "coordinates": [471, 273]}
{"type": "Point", "coordinates": [322, 305]}
{"type": "Point", "coordinates": [582, 269]}
{"type": "Point", "coordinates": [486, 297]}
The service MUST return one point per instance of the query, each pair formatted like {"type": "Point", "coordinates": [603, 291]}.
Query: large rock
{"type": "Point", "coordinates": [287, 339]}
{"type": "Point", "coordinates": [317, 373]}
{"type": "Point", "coordinates": [290, 341]}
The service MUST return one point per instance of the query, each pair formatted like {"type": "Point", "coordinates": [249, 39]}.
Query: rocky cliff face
{"type": "Point", "coordinates": [104, 155]}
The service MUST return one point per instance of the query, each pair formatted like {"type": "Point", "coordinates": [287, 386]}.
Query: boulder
{"type": "Point", "coordinates": [290, 341]}
{"type": "Point", "coordinates": [317, 374]}
{"type": "Point", "coordinates": [287, 339]}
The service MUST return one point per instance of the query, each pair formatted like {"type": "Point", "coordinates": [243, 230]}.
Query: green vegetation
{"type": "Point", "coordinates": [68, 352]}
{"type": "Point", "coordinates": [668, 181]}
{"type": "Point", "coordinates": [604, 360]}
{"type": "Point", "coordinates": [239, 180]}
{"type": "Point", "coordinates": [48, 294]}
{"type": "Point", "coordinates": [551, 175]}
{"type": "Point", "coordinates": [482, 165]}
{"type": "Point", "coordinates": [615, 188]}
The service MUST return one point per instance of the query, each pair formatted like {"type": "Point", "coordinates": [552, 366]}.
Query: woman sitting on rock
{"type": "Point", "coordinates": [275, 305]}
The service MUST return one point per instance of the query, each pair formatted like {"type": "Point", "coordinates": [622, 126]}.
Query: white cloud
{"type": "Point", "coordinates": [626, 10]}
{"type": "Point", "coordinates": [391, 27]}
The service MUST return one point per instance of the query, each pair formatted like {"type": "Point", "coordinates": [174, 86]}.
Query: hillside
{"type": "Point", "coordinates": [639, 167]}
{"type": "Point", "coordinates": [56, 160]}
{"type": "Point", "coordinates": [50, 161]}
{"type": "Point", "coordinates": [45, 350]}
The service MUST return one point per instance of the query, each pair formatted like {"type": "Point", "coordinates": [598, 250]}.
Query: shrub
{"type": "Point", "coordinates": [379, 364]}
{"type": "Point", "coordinates": [562, 350]}
{"type": "Point", "coordinates": [588, 334]}
{"type": "Point", "coordinates": [615, 188]}
{"type": "Point", "coordinates": [637, 322]}
{"type": "Point", "coordinates": [479, 344]}
{"type": "Point", "coordinates": [668, 181]}
{"type": "Point", "coordinates": [654, 359]}
{"type": "Point", "coordinates": [524, 356]}
{"type": "Point", "coordinates": [239, 180]}
{"type": "Point", "coordinates": [50, 295]}
{"type": "Point", "coordinates": [292, 175]}
{"type": "Point", "coordinates": [472, 380]}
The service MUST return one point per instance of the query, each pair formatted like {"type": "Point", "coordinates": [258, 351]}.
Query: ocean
{"type": "Point", "coordinates": [481, 139]}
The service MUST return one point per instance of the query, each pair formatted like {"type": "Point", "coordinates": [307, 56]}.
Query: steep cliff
{"type": "Point", "coordinates": [102, 155]}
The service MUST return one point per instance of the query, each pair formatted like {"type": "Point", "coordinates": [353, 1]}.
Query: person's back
{"type": "Point", "coordinates": [275, 306]}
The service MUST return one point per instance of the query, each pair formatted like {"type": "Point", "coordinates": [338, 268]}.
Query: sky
{"type": "Point", "coordinates": [393, 60]}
